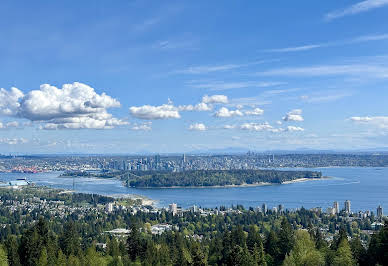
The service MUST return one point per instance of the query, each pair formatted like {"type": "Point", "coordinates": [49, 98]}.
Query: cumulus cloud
{"type": "Point", "coordinates": [225, 112]}
{"type": "Point", "coordinates": [293, 128]}
{"type": "Point", "coordinates": [257, 127]}
{"type": "Point", "coordinates": [142, 127]}
{"type": "Point", "coordinates": [73, 100]}
{"type": "Point", "coordinates": [198, 107]}
{"type": "Point", "coordinates": [149, 112]}
{"type": "Point", "coordinates": [73, 106]}
{"type": "Point", "coordinates": [198, 127]}
{"type": "Point", "coordinates": [376, 121]}
{"type": "Point", "coordinates": [215, 99]}
{"type": "Point", "coordinates": [206, 104]}
{"type": "Point", "coordinates": [294, 115]}
{"type": "Point", "coordinates": [9, 101]}
{"type": "Point", "coordinates": [256, 111]}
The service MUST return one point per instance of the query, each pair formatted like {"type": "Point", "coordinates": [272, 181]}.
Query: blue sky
{"type": "Point", "coordinates": [181, 76]}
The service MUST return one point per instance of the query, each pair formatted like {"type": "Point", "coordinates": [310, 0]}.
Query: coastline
{"type": "Point", "coordinates": [298, 180]}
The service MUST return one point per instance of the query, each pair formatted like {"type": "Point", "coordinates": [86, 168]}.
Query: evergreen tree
{"type": "Point", "coordinates": [259, 255]}
{"type": "Point", "coordinates": [358, 251]}
{"type": "Point", "coordinates": [199, 257]}
{"type": "Point", "coordinates": [70, 241]}
{"type": "Point", "coordinates": [304, 252]}
{"type": "Point", "coordinates": [73, 261]}
{"type": "Point", "coordinates": [378, 247]}
{"type": "Point", "coordinates": [3, 257]}
{"type": "Point", "coordinates": [61, 259]}
{"type": "Point", "coordinates": [43, 259]}
{"type": "Point", "coordinates": [286, 240]}
{"type": "Point", "coordinates": [134, 243]}
{"type": "Point", "coordinates": [271, 245]}
{"type": "Point", "coordinates": [11, 246]}
{"type": "Point", "coordinates": [241, 257]}
{"type": "Point", "coordinates": [343, 256]}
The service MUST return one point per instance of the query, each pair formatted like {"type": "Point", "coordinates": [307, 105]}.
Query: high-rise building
{"type": "Point", "coordinates": [173, 208]}
{"type": "Point", "coordinates": [281, 208]}
{"type": "Point", "coordinates": [109, 207]}
{"type": "Point", "coordinates": [347, 206]}
{"type": "Point", "coordinates": [336, 207]}
{"type": "Point", "coordinates": [380, 211]}
{"type": "Point", "coordinates": [264, 208]}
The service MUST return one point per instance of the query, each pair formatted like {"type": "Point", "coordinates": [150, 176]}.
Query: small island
{"type": "Point", "coordinates": [214, 178]}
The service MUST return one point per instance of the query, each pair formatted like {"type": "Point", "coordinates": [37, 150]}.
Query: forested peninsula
{"type": "Point", "coordinates": [210, 178]}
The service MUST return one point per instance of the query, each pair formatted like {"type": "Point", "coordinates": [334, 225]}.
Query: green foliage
{"type": "Point", "coordinates": [304, 252]}
{"type": "Point", "coordinates": [343, 256]}
{"type": "Point", "coordinates": [3, 257]}
{"type": "Point", "coordinates": [199, 178]}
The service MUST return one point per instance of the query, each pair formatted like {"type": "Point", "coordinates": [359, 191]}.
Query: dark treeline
{"type": "Point", "coordinates": [237, 245]}
{"type": "Point", "coordinates": [213, 177]}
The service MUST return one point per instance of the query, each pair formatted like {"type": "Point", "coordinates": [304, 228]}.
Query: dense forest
{"type": "Point", "coordinates": [32, 233]}
{"type": "Point", "coordinates": [45, 244]}
{"type": "Point", "coordinates": [205, 178]}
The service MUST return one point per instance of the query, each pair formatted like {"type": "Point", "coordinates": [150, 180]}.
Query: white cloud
{"type": "Point", "coordinates": [198, 127]}
{"type": "Point", "coordinates": [12, 124]}
{"type": "Point", "coordinates": [74, 106]}
{"type": "Point", "coordinates": [206, 104]}
{"type": "Point", "coordinates": [13, 141]}
{"type": "Point", "coordinates": [215, 99]}
{"type": "Point", "coordinates": [376, 121]}
{"type": "Point", "coordinates": [293, 128]}
{"type": "Point", "coordinates": [84, 122]}
{"type": "Point", "coordinates": [73, 100]}
{"type": "Point", "coordinates": [150, 112]}
{"type": "Point", "coordinates": [294, 115]}
{"type": "Point", "coordinates": [225, 112]}
{"type": "Point", "coordinates": [257, 127]}
{"type": "Point", "coordinates": [198, 107]}
{"type": "Point", "coordinates": [256, 111]}
{"type": "Point", "coordinates": [229, 126]}
{"type": "Point", "coordinates": [356, 8]}
{"type": "Point", "coordinates": [142, 127]}
{"type": "Point", "coordinates": [9, 101]}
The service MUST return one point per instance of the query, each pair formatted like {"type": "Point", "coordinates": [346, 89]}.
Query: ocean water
{"type": "Point", "coordinates": [366, 188]}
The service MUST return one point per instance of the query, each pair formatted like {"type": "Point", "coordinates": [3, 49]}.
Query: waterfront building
{"type": "Point", "coordinates": [380, 211]}
{"type": "Point", "coordinates": [347, 206]}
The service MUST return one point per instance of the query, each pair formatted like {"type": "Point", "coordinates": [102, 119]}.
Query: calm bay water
{"type": "Point", "coordinates": [366, 188]}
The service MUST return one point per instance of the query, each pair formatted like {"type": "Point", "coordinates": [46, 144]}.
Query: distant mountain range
{"type": "Point", "coordinates": [222, 151]}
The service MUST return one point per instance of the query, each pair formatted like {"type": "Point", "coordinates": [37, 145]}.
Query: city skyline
{"type": "Point", "coordinates": [141, 77]}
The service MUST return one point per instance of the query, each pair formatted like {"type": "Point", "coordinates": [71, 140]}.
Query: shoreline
{"type": "Point", "coordinates": [260, 184]}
